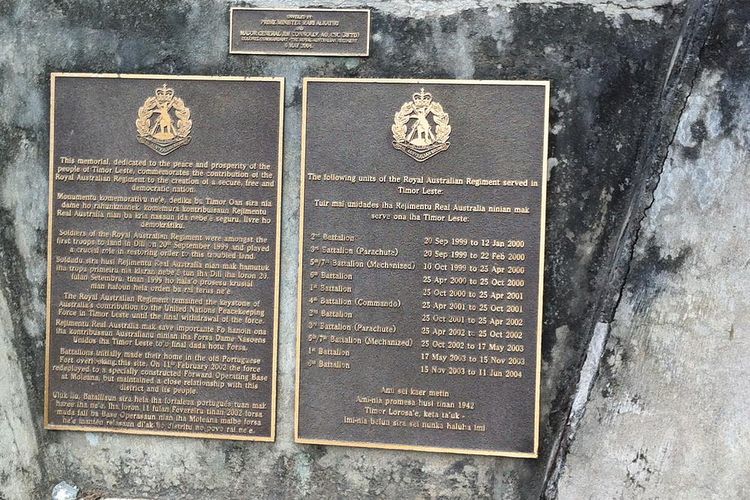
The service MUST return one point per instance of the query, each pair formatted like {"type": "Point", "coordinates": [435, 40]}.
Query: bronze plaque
{"type": "Point", "coordinates": [299, 32]}
{"type": "Point", "coordinates": [163, 257]}
{"type": "Point", "coordinates": [421, 263]}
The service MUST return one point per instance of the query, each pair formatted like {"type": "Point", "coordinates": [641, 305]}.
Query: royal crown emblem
{"type": "Point", "coordinates": [163, 122]}
{"type": "Point", "coordinates": [413, 130]}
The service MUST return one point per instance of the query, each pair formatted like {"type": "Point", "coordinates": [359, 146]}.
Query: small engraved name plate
{"type": "Point", "coordinates": [299, 32]}
{"type": "Point", "coordinates": [421, 261]}
{"type": "Point", "coordinates": [163, 284]}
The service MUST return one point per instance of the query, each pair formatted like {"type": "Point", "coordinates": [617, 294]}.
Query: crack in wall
{"type": "Point", "coordinates": [676, 96]}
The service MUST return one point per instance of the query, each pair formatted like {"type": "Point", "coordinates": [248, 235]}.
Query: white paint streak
{"type": "Point", "coordinates": [588, 371]}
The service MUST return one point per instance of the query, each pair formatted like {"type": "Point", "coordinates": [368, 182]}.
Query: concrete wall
{"type": "Point", "coordinates": [645, 373]}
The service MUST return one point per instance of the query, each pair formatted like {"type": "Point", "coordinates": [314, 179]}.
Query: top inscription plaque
{"type": "Point", "coordinates": [299, 32]}
{"type": "Point", "coordinates": [421, 262]}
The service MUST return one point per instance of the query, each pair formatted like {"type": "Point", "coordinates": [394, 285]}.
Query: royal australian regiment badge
{"type": "Point", "coordinates": [163, 122]}
{"type": "Point", "coordinates": [413, 130]}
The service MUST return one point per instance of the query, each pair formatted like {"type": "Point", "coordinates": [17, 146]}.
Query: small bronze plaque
{"type": "Point", "coordinates": [299, 32]}
{"type": "Point", "coordinates": [421, 263]}
{"type": "Point", "coordinates": [163, 257]}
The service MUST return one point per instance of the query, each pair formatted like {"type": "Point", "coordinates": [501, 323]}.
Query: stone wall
{"type": "Point", "coordinates": [645, 378]}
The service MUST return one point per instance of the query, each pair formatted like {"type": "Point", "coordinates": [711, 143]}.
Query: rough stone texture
{"type": "Point", "coordinates": [668, 416]}
{"type": "Point", "coordinates": [620, 71]}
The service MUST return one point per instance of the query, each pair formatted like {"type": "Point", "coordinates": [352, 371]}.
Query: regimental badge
{"type": "Point", "coordinates": [413, 130]}
{"type": "Point", "coordinates": [163, 122]}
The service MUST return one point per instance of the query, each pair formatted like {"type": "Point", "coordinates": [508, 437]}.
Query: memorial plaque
{"type": "Point", "coordinates": [421, 262]}
{"type": "Point", "coordinates": [163, 282]}
{"type": "Point", "coordinates": [299, 32]}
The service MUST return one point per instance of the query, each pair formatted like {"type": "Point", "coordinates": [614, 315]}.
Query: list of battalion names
{"type": "Point", "coordinates": [473, 315]}
{"type": "Point", "coordinates": [162, 298]}
{"type": "Point", "coordinates": [419, 317]}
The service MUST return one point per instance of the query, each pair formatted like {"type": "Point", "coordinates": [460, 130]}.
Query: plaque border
{"type": "Point", "coordinates": [545, 149]}
{"type": "Point", "coordinates": [277, 281]}
{"type": "Point", "coordinates": [366, 53]}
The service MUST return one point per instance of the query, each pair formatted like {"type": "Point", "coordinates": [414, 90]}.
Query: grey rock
{"type": "Point", "coordinates": [64, 491]}
{"type": "Point", "coordinates": [621, 71]}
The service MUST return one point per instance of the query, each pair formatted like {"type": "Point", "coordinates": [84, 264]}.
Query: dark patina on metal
{"type": "Point", "coordinates": [163, 255]}
{"type": "Point", "coordinates": [299, 32]}
{"type": "Point", "coordinates": [421, 262]}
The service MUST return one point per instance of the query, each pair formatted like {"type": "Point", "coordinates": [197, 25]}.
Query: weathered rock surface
{"type": "Point", "coordinates": [620, 72]}
{"type": "Point", "coordinates": [668, 416]}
